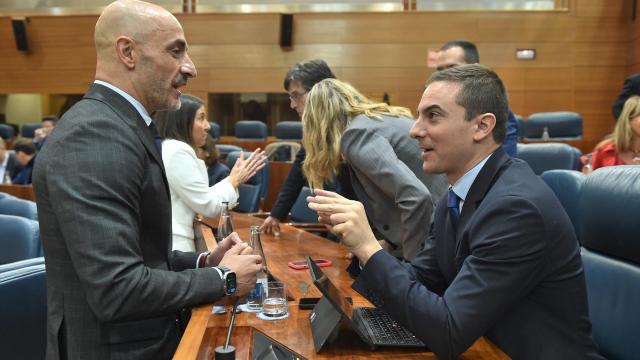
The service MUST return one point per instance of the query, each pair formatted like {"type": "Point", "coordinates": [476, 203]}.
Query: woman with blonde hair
{"type": "Point", "coordinates": [342, 126]}
{"type": "Point", "coordinates": [622, 147]}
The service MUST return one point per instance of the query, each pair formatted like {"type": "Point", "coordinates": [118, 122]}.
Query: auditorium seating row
{"type": "Point", "coordinates": [550, 126]}
{"type": "Point", "coordinates": [253, 130]}
{"type": "Point", "coordinates": [604, 208]}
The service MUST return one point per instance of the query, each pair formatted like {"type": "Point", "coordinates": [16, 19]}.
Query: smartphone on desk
{"type": "Point", "coordinates": [302, 264]}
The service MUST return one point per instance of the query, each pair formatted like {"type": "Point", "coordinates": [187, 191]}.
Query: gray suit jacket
{"type": "Point", "coordinates": [387, 177]}
{"type": "Point", "coordinates": [114, 287]}
{"type": "Point", "coordinates": [511, 271]}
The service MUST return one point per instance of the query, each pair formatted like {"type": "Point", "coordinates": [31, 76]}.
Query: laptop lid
{"type": "Point", "coordinates": [329, 290]}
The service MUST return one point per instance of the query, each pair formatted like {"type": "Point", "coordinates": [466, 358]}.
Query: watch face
{"type": "Point", "coordinates": [230, 283]}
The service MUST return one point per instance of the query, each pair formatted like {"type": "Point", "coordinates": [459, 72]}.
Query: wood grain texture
{"type": "Point", "coordinates": [591, 47]}
{"type": "Point", "coordinates": [206, 331]}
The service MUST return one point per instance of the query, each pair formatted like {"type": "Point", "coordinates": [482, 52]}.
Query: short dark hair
{"type": "Point", "coordinates": [24, 145]}
{"type": "Point", "coordinates": [177, 124]}
{"type": "Point", "coordinates": [482, 92]}
{"type": "Point", "coordinates": [308, 73]}
{"type": "Point", "coordinates": [471, 55]}
{"type": "Point", "coordinates": [51, 118]}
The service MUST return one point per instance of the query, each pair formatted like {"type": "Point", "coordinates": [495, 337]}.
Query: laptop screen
{"type": "Point", "coordinates": [328, 289]}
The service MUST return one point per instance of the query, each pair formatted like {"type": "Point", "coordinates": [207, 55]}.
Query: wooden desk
{"type": "Point", "coordinates": [206, 331]}
{"type": "Point", "coordinates": [20, 191]}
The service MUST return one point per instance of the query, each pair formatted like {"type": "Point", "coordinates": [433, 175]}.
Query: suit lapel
{"type": "Point", "coordinates": [481, 185]}
{"type": "Point", "coordinates": [131, 117]}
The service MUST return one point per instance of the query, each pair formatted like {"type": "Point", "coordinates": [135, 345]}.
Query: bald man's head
{"type": "Point", "coordinates": [142, 50]}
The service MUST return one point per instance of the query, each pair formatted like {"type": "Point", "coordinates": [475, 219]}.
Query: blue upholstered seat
{"type": "Point", "coordinates": [300, 212]}
{"type": "Point", "coordinates": [217, 172]}
{"type": "Point", "coordinates": [23, 310]}
{"type": "Point", "coordinates": [261, 178]}
{"type": "Point", "coordinates": [561, 125]}
{"type": "Point", "coordinates": [288, 130]}
{"type": "Point", "coordinates": [566, 184]}
{"type": "Point", "coordinates": [549, 156]}
{"type": "Point", "coordinates": [249, 198]}
{"type": "Point", "coordinates": [214, 130]}
{"type": "Point", "coordinates": [10, 205]}
{"type": "Point", "coordinates": [610, 233]}
{"type": "Point", "coordinates": [225, 149]}
{"type": "Point", "coordinates": [251, 130]}
{"type": "Point", "coordinates": [19, 239]}
{"type": "Point", "coordinates": [29, 130]}
{"type": "Point", "coordinates": [521, 126]}
{"type": "Point", "coordinates": [6, 131]}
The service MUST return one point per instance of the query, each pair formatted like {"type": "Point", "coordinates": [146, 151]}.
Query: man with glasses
{"type": "Point", "coordinates": [298, 82]}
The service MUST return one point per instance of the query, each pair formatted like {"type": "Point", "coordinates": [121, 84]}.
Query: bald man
{"type": "Point", "coordinates": [115, 290]}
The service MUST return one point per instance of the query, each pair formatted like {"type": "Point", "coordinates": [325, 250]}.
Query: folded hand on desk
{"type": "Point", "coordinates": [347, 219]}
{"type": "Point", "coordinates": [240, 259]}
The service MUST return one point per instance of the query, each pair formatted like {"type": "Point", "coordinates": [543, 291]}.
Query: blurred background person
{"type": "Point", "coordinates": [343, 126]}
{"type": "Point", "coordinates": [216, 170]}
{"type": "Point", "coordinates": [622, 147]}
{"type": "Point", "coordinates": [8, 163]}
{"type": "Point", "coordinates": [184, 131]}
{"type": "Point", "coordinates": [40, 134]}
{"type": "Point", "coordinates": [26, 154]}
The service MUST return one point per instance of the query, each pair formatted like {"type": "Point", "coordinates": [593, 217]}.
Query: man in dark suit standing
{"type": "Point", "coordinates": [502, 261]}
{"type": "Point", "coordinates": [114, 288]}
{"type": "Point", "coordinates": [631, 87]}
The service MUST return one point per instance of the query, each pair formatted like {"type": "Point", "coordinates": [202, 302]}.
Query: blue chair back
{"type": "Point", "coordinates": [566, 184]}
{"type": "Point", "coordinates": [19, 239]}
{"type": "Point", "coordinates": [10, 205]}
{"type": "Point", "coordinates": [300, 212]}
{"type": "Point", "coordinates": [217, 172]}
{"type": "Point", "coordinates": [561, 125]}
{"type": "Point", "coordinates": [261, 178]}
{"type": "Point", "coordinates": [289, 130]}
{"type": "Point", "coordinates": [251, 130]}
{"type": "Point", "coordinates": [521, 126]}
{"type": "Point", "coordinates": [609, 227]}
{"type": "Point", "coordinates": [6, 131]}
{"type": "Point", "coordinates": [225, 149]}
{"type": "Point", "coordinates": [549, 156]}
{"type": "Point", "coordinates": [214, 130]}
{"type": "Point", "coordinates": [23, 310]}
{"type": "Point", "coordinates": [249, 200]}
{"type": "Point", "coordinates": [29, 130]}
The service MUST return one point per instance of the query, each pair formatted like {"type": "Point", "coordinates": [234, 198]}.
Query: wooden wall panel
{"type": "Point", "coordinates": [583, 55]}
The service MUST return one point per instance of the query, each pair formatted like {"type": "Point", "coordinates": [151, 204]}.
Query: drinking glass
{"type": "Point", "coordinates": [275, 301]}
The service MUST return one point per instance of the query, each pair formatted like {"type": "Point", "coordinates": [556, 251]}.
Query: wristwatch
{"type": "Point", "coordinates": [229, 280]}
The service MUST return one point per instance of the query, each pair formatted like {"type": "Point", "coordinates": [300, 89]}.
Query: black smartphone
{"type": "Point", "coordinates": [308, 303]}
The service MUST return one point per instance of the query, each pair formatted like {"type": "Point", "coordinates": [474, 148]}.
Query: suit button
{"type": "Point", "coordinates": [385, 227]}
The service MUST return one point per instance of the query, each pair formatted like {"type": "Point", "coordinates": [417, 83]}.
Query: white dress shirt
{"type": "Point", "coordinates": [190, 191]}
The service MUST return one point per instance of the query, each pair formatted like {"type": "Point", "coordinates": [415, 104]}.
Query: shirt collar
{"type": "Point", "coordinates": [136, 104]}
{"type": "Point", "coordinates": [463, 185]}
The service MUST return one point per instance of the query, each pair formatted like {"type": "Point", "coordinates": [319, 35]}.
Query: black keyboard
{"type": "Point", "coordinates": [385, 331]}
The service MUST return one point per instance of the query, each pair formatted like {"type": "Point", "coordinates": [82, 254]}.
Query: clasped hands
{"type": "Point", "coordinates": [347, 219]}
{"type": "Point", "coordinates": [238, 256]}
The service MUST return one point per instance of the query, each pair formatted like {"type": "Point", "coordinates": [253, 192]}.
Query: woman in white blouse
{"type": "Point", "coordinates": [184, 131]}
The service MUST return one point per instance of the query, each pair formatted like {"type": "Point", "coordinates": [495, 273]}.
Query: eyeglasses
{"type": "Point", "coordinates": [295, 97]}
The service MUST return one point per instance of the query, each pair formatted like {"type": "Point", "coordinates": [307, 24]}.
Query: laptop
{"type": "Point", "coordinates": [374, 326]}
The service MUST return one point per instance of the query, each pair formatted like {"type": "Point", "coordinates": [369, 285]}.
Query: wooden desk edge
{"type": "Point", "coordinates": [193, 335]}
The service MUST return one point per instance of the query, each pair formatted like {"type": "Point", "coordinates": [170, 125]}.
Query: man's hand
{"type": "Point", "coordinates": [271, 225]}
{"type": "Point", "coordinates": [240, 259]}
{"type": "Point", "coordinates": [227, 243]}
{"type": "Point", "coordinates": [347, 219]}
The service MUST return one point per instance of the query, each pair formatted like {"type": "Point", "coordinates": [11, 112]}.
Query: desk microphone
{"type": "Point", "coordinates": [228, 352]}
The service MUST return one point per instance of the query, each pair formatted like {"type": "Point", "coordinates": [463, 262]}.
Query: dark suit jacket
{"type": "Point", "coordinates": [290, 188]}
{"type": "Point", "coordinates": [631, 87]}
{"type": "Point", "coordinates": [23, 175]}
{"type": "Point", "coordinates": [13, 165]}
{"type": "Point", "coordinates": [114, 287]}
{"type": "Point", "coordinates": [511, 272]}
